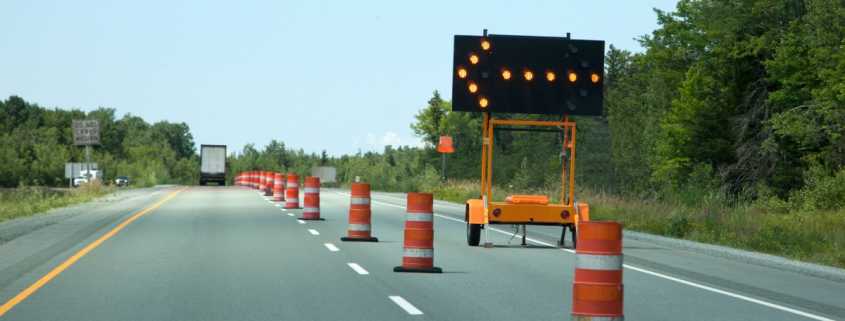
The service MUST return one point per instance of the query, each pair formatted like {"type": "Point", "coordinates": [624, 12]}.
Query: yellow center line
{"type": "Point", "coordinates": [78, 255]}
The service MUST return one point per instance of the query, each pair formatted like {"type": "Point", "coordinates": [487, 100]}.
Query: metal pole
{"type": "Point", "coordinates": [88, 162]}
{"type": "Point", "coordinates": [443, 166]}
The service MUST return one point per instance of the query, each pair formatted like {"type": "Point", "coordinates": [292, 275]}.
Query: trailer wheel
{"type": "Point", "coordinates": [473, 234]}
{"type": "Point", "coordinates": [473, 230]}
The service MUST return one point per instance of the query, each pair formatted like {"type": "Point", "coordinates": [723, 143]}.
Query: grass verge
{"type": "Point", "coordinates": [26, 201]}
{"type": "Point", "coordinates": [811, 236]}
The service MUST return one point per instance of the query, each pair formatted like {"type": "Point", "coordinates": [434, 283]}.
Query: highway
{"type": "Point", "coordinates": [228, 253]}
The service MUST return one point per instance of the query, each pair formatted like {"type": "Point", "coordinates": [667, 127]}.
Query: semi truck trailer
{"type": "Point", "coordinates": [213, 164]}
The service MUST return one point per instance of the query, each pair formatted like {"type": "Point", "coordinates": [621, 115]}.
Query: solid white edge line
{"type": "Point", "coordinates": [301, 221]}
{"type": "Point", "coordinates": [659, 275]}
{"type": "Point", "coordinates": [730, 294]}
{"type": "Point", "coordinates": [313, 231]}
{"type": "Point", "coordinates": [405, 305]}
{"type": "Point", "coordinates": [331, 247]}
{"type": "Point", "coordinates": [358, 269]}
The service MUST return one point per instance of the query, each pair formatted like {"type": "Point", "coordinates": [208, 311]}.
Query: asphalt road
{"type": "Point", "coordinates": [209, 253]}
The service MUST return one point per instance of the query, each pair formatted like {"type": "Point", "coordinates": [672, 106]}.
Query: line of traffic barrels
{"type": "Point", "coordinates": [597, 290]}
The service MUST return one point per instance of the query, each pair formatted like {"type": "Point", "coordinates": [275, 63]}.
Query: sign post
{"type": "Point", "coordinates": [444, 147]}
{"type": "Point", "coordinates": [86, 133]}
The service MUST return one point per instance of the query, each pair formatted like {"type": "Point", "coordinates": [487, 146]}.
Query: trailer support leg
{"type": "Point", "coordinates": [561, 243]}
{"type": "Point", "coordinates": [524, 232]}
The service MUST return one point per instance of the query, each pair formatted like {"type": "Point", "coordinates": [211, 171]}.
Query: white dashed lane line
{"type": "Point", "coordinates": [357, 268]}
{"type": "Point", "coordinates": [331, 247]}
{"type": "Point", "coordinates": [301, 221]}
{"type": "Point", "coordinates": [313, 232]}
{"type": "Point", "coordinates": [405, 305]}
{"type": "Point", "coordinates": [291, 214]}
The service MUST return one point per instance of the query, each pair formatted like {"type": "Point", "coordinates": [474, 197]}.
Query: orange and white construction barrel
{"type": "Point", "coordinates": [292, 191]}
{"type": "Point", "coordinates": [360, 225]}
{"type": "Point", "coordinates": [418, 249]}
{"type": "Point", "coordinates": [311, 199]}
{"type": "Point", "coordinates": [278, 187]}
{"type": "Point", "coordinates": [597, 291]}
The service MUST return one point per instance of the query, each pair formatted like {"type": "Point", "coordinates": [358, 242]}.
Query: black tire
{"type": "Point", "coordinates": [473, 234]}
{"type": "Point", "coordinates": [473, 230]}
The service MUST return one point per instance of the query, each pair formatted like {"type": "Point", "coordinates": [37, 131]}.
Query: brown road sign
{"type": "Point", "coordinates": [86, 132]}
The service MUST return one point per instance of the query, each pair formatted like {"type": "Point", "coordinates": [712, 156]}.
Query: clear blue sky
{"type": "Point", "coordinates": [340, 76]}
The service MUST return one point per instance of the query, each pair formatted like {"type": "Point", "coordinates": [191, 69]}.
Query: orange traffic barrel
{"type": "Point", "coordinates": [311, 199]}
{"type": "Point", "coordinates": [418, 253]}
{"type": "Point", "coordinates": [597, 291]}
{"type": "Point", "coordinates": [278, 187]}
{"type": "Point", "coordinates": [269, 181]}
{"type": "Point", "coordinates": [360, 227]}
{"type": "Point", "coordinates": [259, 179]}
{"type": "Point", "coordinates": [292, 191]}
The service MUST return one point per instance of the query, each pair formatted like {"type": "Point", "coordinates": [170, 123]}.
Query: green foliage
{"type": "Point", "coordinates": [37, 142]}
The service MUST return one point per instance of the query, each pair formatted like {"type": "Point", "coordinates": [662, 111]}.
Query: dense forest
{"type": "Point", "coordinates": [37, 142]}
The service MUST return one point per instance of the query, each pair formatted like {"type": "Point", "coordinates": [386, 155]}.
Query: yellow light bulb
{"type": "Point", "coordinates": [483, 102]}
{"type": "Point", "coordinates": [473, 59]}
{"type": "Point", "coordinates": [550, 76]}
{"type": "Point", "coordinates": [485, 44]}
{"type": "Point", "coordinates": [595, 78]}
{"type": "Point", "coordinates": [506, 74]}
{"type": "Point", "coordinates": [473, 88]}
{"type": "Point", "coordinates": [462, 73]}
{"type": "Point", "coordinates": [573, 77]}
{"type": "Point", "coordinates": [528, 75]}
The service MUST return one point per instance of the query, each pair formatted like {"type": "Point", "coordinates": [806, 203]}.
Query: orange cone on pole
{"type": "Point", "coordinates": [418, 252]}
{"type": "Point", "coordinates": [292, 191]}
{"type": "Point", "coordinates": [278, 187]}
{"type": "Point", "coordinates": [360, 227]}
{"type": "Point", "coordinates": [597, 291]}
{"type": "Point", "coordinates": [311, 200]}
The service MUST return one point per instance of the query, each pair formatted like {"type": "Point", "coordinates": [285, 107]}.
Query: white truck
{"type": "Point", "coordinates": [213, 164]}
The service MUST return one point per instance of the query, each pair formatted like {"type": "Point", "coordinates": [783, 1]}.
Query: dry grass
{"type": "Point", "coordinates": [26, 201]}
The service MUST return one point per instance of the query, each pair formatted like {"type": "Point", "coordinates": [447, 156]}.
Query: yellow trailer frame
{"type": "Point", "coordinates": [484, 211]}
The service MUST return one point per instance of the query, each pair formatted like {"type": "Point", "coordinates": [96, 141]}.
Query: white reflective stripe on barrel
{"type": "Point", "coordinates": [419, 217]}
{"type": "Point", "coordinates": [311, 210]}
{"type": "Point", "coordinates": [312, 190]}
{"type": "Point", "coordinates": [293, 185]}
{"type": "Point", "coordinates": [424, 253]}
{"type": "Point", "coordinates": [359, 227]}
{"type": "Point", "coordinates": [591, 318]}
{"type": "Point", "coordinates": [598, 262]}
{"type": "Point", "coordinates": [292, 201]}
{"type": "Point", "coordinates": [360, 201]}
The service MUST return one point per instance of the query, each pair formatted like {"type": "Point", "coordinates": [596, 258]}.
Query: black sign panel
{"type": "Point", "coordinates": [528, 75]}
